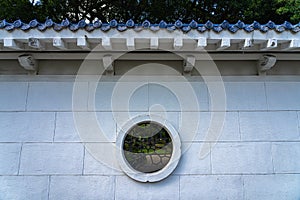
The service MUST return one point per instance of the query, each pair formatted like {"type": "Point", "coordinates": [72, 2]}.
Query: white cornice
{"type": "Point", "coordinates": [131, 40]}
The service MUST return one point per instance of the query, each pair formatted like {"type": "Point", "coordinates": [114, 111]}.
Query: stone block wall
{"type": "Point", "coordinates": [256, 156]}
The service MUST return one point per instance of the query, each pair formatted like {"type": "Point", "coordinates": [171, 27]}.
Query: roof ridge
{"type": "Point", "coordinates": [130, 24]}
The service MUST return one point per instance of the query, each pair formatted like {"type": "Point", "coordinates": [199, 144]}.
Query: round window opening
{"type": "Point", "coordinates": [148, 147]}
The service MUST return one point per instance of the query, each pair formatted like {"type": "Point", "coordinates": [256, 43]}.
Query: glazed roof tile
{"type": "Point", "coordinates": [130, 24]}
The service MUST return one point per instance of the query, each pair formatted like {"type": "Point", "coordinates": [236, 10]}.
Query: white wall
{"type": "Point", "coordinates": [256, 157]}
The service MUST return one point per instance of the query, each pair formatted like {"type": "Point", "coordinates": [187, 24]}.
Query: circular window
{"type": "Point", "coordinates": [149, 149]}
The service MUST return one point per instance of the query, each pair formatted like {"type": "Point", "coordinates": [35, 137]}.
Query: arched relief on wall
{"type": "Point", "coordinates": [120, 98]}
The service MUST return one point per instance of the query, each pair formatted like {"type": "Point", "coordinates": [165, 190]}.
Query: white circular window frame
{"type": "Point", "coordinates": [155, 176]}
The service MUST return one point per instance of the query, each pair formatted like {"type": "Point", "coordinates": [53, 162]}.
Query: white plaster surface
{"type": "Point", "coordinates": [102, 93]}
{"type": "Point", "coordinates": [159, 94]}
{"type": "Point", "coordinates": [181, 96]}
{"type": "Point", "coordinates": [69, 128]}
{"type": "Point", "coordinates": [275, 187]}
{"type": "Point", "coordinates": [283, 96]}
{"type": "Point", "coordinates": [121, 118]}
{"type": "Point", "coordinates": [191, 163]}
{"type": "Point", "coordinates": [241, 158]}
{"type": "Point", "coordinates": [42, 158]}
{"type": "Point", "coordinates": [286, 157]}
{"type": "Point", "coordinates": [55, 96]}
{"type": "Point", "coordinates": [9, 156]}
{"type": "Point", "coordinates": [13, 96]}
{"type": "Point", "coordinates": [127, 188]}
{"type": "Point", "coordinates": [81, 187]}
{"type": "Point", "coordinates": [65, 129]}
{"type": "Point", "coordinates": [31, 126]}
{"type": "Point", "coordinates": [94, 165]}
{"type": "Point", "coordinates": [245, 96]}
{"type": "Point", "coordinates": [269, 126]}
{"type": "Point", "coordinates": [211, 187]}
{"type": "Point", "coordinates": [23, 187]}
{"type": "Point", "coordinates": [229, 132]}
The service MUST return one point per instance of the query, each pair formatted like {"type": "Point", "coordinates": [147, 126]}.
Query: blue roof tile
{"type": "Point", "coordinates": [146, 24]}
{"type": "Point", "coordinates": [130, 24]}
{"type": "Point", "coordinates": [33, 23]}
{"type": "Point", "coordinates": [193, 24]}
{"type": "Point", "coordinates": [48, 23]}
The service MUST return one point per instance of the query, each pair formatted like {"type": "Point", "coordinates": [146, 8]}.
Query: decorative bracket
{"type": "Point", "coordinates": [189, 64]}
{"type": "Point", "coordinates": [265, 63]}
{"type": "Point", "coordinates": [108, 64]}
{"type": "Point", "coordinates": [29, 63]}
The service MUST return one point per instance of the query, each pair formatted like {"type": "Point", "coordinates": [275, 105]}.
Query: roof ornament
{"type": "Point", "coordinates": [113, 23]}
{"type": "Point", "coordinates": [225, 24]}
{"type": "Point", "coordinates": [130, 23]}
{"type": "Point", "coordinates": [146, 24]}
{"type": "Point", "coordinates": [193, 24]}
{"type": "Point", "coordinates": [287, 25]}
{"type": "Point", "coordinates": [178, 24]}
{"type": "Point", "coordinates": [33, 23]}
{"type": "Point", "coordinates": [18, 23]}
{"type": "Point", "coordinates": [49, 23]}
{"type": "Point", "coordinates": [97, 23]}
{"type": "Point", "coordinates": [209, 25]}
{"type": "Point", "coordinates": [65, 23]}
{"type": "Point", "coordinates": [271, 25]}
{"type": "Point", "coordinates": [162, 24]}
{"type": "Point", "coordinates": [240, 24]}
{"type": "Point", "coordinates": [81, 23]}
{"type": "Point", "coordinates": [256, 25]}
